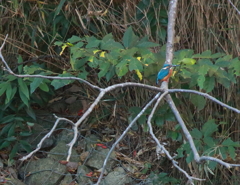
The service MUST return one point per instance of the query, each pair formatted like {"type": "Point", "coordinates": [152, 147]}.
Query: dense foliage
{"type": "Point", "coordinates": [97, 50]}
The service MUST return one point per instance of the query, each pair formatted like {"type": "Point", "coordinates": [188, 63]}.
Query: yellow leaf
{"type": "Point", "coordinates": [63, 48]}
{"type": "Point", "coordinates": [69, 44]}
{"type": "Point", "coordinates": [95, 51]}
{"type": "Point", "coordinates": [102, 54]}
{"type": "Point", "coordinates": [139, 74]}
{"type": "Point", "coordinates": [139, 58]}
{"type": "Point", "coordinates": [174, 72]}
{"type": "Point", "coordinates": [104, 13]}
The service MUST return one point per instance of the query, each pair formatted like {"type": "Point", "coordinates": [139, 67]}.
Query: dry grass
{"type": "Point", "coordinates": [201, 25]}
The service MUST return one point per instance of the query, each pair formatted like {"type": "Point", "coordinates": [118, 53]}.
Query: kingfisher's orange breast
{"type": "Point", "coordinates": [168, 76]}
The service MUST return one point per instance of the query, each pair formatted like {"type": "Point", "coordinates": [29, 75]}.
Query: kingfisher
{"type": "Point", "coordinates": [165, 73]}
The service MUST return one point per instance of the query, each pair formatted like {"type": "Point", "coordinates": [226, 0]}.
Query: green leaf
{"type": "Point", "coordinates": [229, 142]}
{"type": "Point", "coordinates": [198, 101]}
{"type": "Point", "coordinates": [11, 138]}
{"type": "Point", "coordinates": [25, 145]}
{"type": "Point", "coordinates": [111, 45]}
{"type": "Point", "coordinates": [83, 74]}
{"type": "Point", "coordinates": [94, 63]}
{"type": "Point", "coordinates": [188, 61]}
{"type": "Point", "coordinates": [3, 87]}
{"type": "Point", "coordinates": [107, 37]}
{"type": "Point", "coordinates": [121, 68]}
{"type": "Point", "coordinates": [173, 135]}
{"type": "Point", "coordinates": [35, 84]}
{"type": "Point", "coordinates": [222, 63]}
{"type": "Point", "coordinates": [74, 39]}
{"type": "Point", "coordinates": [225, 82]}
{"type": "Point", "coordinates": [10, 93]}
{"type": "Point", "coordinates": [30, 124]}
{"type": "Point", "coordinates": [209, 84]}
{"type": "Point", "coordinates": [196, 133]}
{"type": "Point", "coordinates": [44, 87]}
{"type": "Point", "coordinates": [162, 34]}
{"type": "Point", "coordinates": [110, 73]}
{"type": "Point", "coordinates": [185, 53]}
{"type": "Point", "coordinates": [206, 54]}
{"type": "Point", "coordinates": [206, 62]}
{"type": "Point", "coordinates": [135, 64]}
{"type": "Point", "coordinates": [11, 131]}
{"type": "Point", "coordinates": [104, 67]}
{"type": "Point", "coordinates": [31, 69]}
{"type": "Point", "coordinates": [30, 112]}
{"type": "Point", "coordinates": [60, 83]}
{"type": "Point", "coordinates": [209, 128]}
{"type": "Point", "coordinates": [200, 81]}
{"type": "Point", "coordinates": [212, 165]}
{"type": "Point", "coordinates": [190, 157]}
{"type": "Point", "coordinates": [129, 38]}
{"type": "Point", "coordinates": [147, 44]}
{"type": "Point", "coordinates": [20, 67]}
{"type": "Point", "coordinates": [7, 119]}
{"type": "Point", "coordinates": [23, 87]}
{"type": "Point", "coordinates": [59, 7]}
{"type": "Point", "coordinates": [232, 153]}
{"type": "Point", "coordinates": [92, 42]}
{"type": "Point", "coordinates": [235, 63]}
{"type": "Point", "coordinates": [159, 120]}
{"type": "Point", "coordinates": [58, 43]}
{"type": "Point", "coordinates": [24, 134]}
{"type": "Point", "coordinates": [14, 150]}
{"type": "Point", "coordinates": [5, 144]}
{"type": "Point", "coordinates": [6, 128]}
{"type": "Point", "coordinates": [218, 55]}
{"type": "Point", "coordinates": [209, 141]}
{"type": "Point", "coordinates": [24, 98]}
{"type": "Point", "coordinates": [202, 71]}
{"type": "Point", "coordinates": [223, 152]}
{"type": "Point", "coordinates": [78, 63]}
{"type": "Point", "coordinates": [169, 116]}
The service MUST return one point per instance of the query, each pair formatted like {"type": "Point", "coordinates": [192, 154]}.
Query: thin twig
{"type": "Point", "coordinates": [206, 96]}
{"type": "Point", "coordinates": [123, 134]}
{"type": "Point", "coordinates": [46, 136]}
{"type": "Point", "coordinates": [234, 6]}
{"type": "Point", "coordinates": [175, 163]}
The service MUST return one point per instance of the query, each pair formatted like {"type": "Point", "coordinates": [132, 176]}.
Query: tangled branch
{"type": "Point", "coordinates": [163, 92]}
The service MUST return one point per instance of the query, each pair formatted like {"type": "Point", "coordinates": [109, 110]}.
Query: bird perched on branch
{"type": "Point", "coordinates": [165, 73]}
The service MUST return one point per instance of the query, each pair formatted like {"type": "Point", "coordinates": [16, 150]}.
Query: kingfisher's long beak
{"type": "Point", "coordinates": [175, 65]}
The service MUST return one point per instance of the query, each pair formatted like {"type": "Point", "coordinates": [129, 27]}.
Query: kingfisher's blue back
{"type": "Point", "coordinates": [164, 73]}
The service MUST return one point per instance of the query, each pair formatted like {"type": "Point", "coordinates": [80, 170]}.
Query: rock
{"type": "Point", "coordinates": [117, 177]}
{"type": "Point", "coordinates": [66, 180]}
{"type": "Point", "coordinates": [43, 171]}
{"type": "Point", "coordinates": [1, 163]}
{"type": "Point", "coordinates": [75, 107]}
{"type": "Point", "coordinates": [90, 141]}
{"type": "Point", "coordinates": [60, 153]}
{"type": "Point", "coordinates": [81, 175]}
{"type": "Point", "coordinates": [14, 181]}
{"type": "Point", "coordinates": [38, 134]}
{"type": "Point", "coordinates": [65, 136]}
{"type": "Point", "coordinates": [97, 158]}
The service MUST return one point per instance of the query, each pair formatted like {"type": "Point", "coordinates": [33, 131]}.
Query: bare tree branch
{"type": "Point", "coordinates": [123, 134]}
{"type": "Point", "coordinates": [165, 93]}
{"type": "Point", "coordinates": [206, 96]}
{"type": "Point", "coordinates": [175, 163]}
{"type": "Point", "coordinates": [171, 30]}
{"type": "Point", "coordinates": [46, 136]}
{"type": "Point", "coordinates": [234, 6]}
